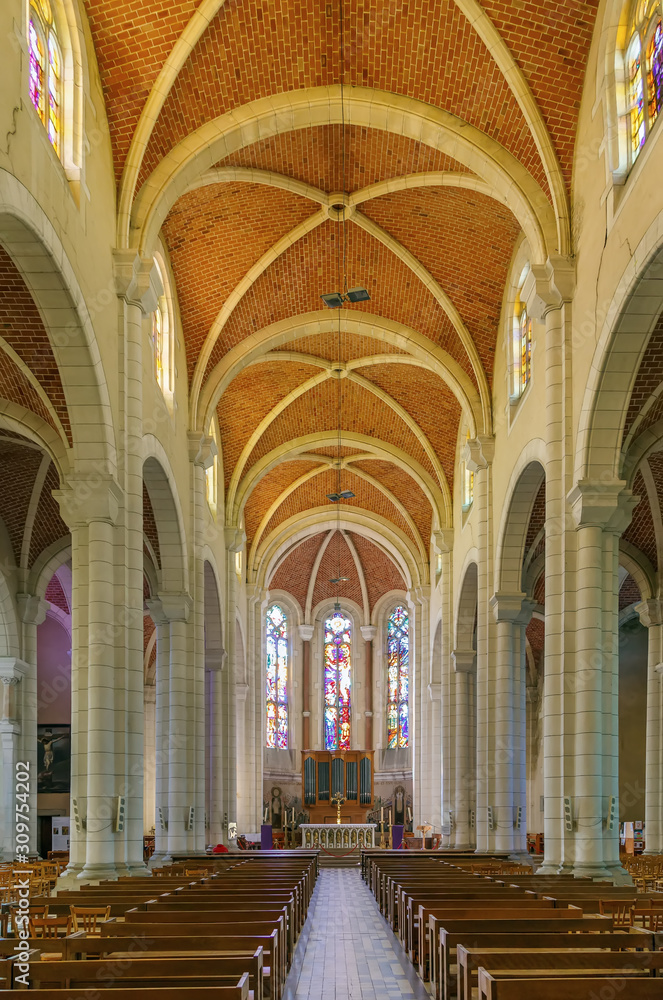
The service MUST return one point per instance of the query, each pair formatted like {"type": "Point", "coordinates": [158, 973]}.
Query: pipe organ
{"type": "Point", "coordinates": [327, 773]}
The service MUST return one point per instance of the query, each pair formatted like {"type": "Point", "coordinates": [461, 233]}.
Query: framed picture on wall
{"type": "Point", "coordinates": [53, 758]}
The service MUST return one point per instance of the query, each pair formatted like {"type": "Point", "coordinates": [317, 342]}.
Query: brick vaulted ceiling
{"type": "Point", "coordinates": [232, 141]}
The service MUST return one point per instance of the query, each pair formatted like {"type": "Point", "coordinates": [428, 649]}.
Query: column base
{"type": "Point", "coordinates": [521, 858]}
{"type": "Point", "coordinates": [138, 870]}
{"type": "Point", "coordinates": [619, 875]}
{"type": "Point", "coordinates": [96, 873]}
{"type": "Point", "coordinates": [596, 871]}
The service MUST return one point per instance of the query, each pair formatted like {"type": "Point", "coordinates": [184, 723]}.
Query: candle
{"type": "Point", "coordinates": [266, 811]}
{"type": "Point", "coordinates": [293, 817]}
{"type": "Point", "coordinates": [382, 814]}
{"type": "Point", "coordinates": [390, 817]}
{"type": "Point", "coordinates": [409, 814]}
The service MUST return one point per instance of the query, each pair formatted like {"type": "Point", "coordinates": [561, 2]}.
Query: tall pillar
{"type": "Point", "coordinates": [149, 756]}
{"type": "Point", "coordinates": [425, 768]}
{"type": "Point", "coordinates": [214, 664]}
{"type": "Point", "coordinates": [12, 674]}
{"type": "Point", "coordinates": [234, 539]}
{"type": "Point", "coordinates": [441, 684]}
{"type": "Point", "coordinates": [32, 613]}
{"type": "Point", "coordinates": [548, 290]}
{"type": "Point", "coordinates": [306, 634]}
{"type": "Point", "coordinates": [464, 663]}
{"type": "Point", "coordinates": [651, 616]}
{"type": "Point", "coordinates": [161, 730]}
{"type": "Point", "coordinates": [478, 459]}
{"type": "Point", "coordinates": [599, 510]}
{"type": "Point", "coordinates": [368, 633]}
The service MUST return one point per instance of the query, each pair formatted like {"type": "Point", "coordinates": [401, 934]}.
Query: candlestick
{"type": "Point", "coordinates": [382, 814]}
{"type": "Point", "coordinates": [390, 817]}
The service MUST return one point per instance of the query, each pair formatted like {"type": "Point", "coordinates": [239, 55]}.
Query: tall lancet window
{"type": "Point", "coordinates": [277, 678]}
{"type": "Point", "coordinates": [45, 70]}
{"type": "Point", "coordinates": [338, 681]}
{"type": "Point", "coordinates": [398, 687]}
{"type": "Point", "coordinates": [644, 71]}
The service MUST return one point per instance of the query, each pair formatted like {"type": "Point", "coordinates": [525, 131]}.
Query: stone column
{"type": "Point", "coordinates": [548, 290]}
{"type": "Point", "coordinates": [214, 664]}
{"type": "Point", "coordinates": [32, 613]}
{"type": "Point", "coordinates": [254, 709]}
{"type": "Point", "coordinates": [441, 686]}
{"type": "Point", "coordinates": [149, 756]}
{"type": "Point", "coordinates": [464, 664]}
{"type": "Point", "coordinates": [426, 806]}
{"type": "Point", "coordinates": [651, 616]}
{"type": "Point", "coordinates": [306, 634]}
{"type": "Point", "coordinates": [368, 633]}
{"type": "Point", "coordinates": [478, 458]}
{"type": "Point", "coordinates": [162, 712]}
{"type": "Point", "coordinates": [599, 510]}
{"type": "Point", "coordinates": [181, 728]}
{"type": "Point", "coordinates": [234, 539]}
{"type": "Point", "coordinates": [12, 673]}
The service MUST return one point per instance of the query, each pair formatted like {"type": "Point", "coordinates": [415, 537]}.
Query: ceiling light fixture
{"type": "Point", "coordinates": [343, 495]}
{"type": "Point", "coordinates": [336, 299]}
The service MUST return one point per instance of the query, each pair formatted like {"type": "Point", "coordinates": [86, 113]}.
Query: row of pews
{"type": "Point", "coordinates": [225, 929]}
{"type": "Point", "coordinates": [518, 936]}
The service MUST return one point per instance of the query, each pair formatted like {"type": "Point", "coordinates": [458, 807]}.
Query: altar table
{"type": "Point", "coordinates": [338, 834]}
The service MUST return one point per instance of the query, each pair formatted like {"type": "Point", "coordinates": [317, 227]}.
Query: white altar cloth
{"type": "Point", "coordinates": [338, 834]}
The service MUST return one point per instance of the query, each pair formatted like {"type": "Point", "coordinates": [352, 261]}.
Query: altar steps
{"type": "Point", "coordinates": [339, 857]}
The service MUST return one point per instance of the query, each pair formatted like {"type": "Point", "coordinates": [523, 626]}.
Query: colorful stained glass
{"type": "Point", "coordinates": [637, 99]}
{"type": "Point", "coordinates": [276, 678]}
{"type": "Point", "coordinates": [338, 682]}
{"type": "Point", "coordinates": [525, 329]}
{"type": "Point", "coordinates": [45, 71]}
{"type": "Point", "coordinates": [398, 679]}
{"type": "Point", "coordinates": [655, 73]}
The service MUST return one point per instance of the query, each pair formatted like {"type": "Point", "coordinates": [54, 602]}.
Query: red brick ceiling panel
{"type": "Point", "coordinates": [336, 562]}
{"type": "Point", "coordinates": [428, 400]}
{"type": "Point", "coordinates": [550, 42]}
{"type": "Point", "coordinates": [629, 593]}
{"type": "Point", "coordinates": [641, 532]}
{"type": "Point", "coordinates": [537, 517]}
{"type": "Point", "coordinates": [315, 156]}
{"type": "Point", "coordinates": [294, 573]}
{"type": "Point", "coordinates": [335, 451]}
{"type": "Point", "coordinates": [649, 377]}
{"type": "Point", "coordinates": [445, 229]}
{"type": "Point", "coordinates": [147, 593]}
{"type": "Point", "coordinates": [150, 525]}
{"type": "Point", "coordinates": [249, 398]}
{"type": "Point", "coordinates": [314, 492]}
{"type": "Point", "coordinates": [655, 460]}
{"type": "Point", "coordinates": [293, 284]}
{"type": "Point", "coordinates": [48, 525]}
{"type": "Point", "coordinates": [652, 416]}
{"type": "Point", "coordinates": [405, 489]}
{"type": "Point", "coordinates": [55, 595]}
{"type": "Point", "coordinates": [536, 636]}
{"type": "Point", "coordinates": [22, 327]}
{"type": "Point", "coordinates": [132, 41]}
{"type": "Point", "coordinates": [380, 573]}
{"type": "Point", "coordinates": [426, 51]}
{"type": "Point", "coordinates": [215, 235]}
{"type": "Point", "coordinates": [270, 489]}
{"type": "Point", "coordinates": [18, 467]}
{"type": "Point", "coordinates": [148, 629]}
{"type": "Point", "coordinates": [540, 590]}
{"type": "Point", "coordinates": [352, 347]}
{"type": "Point", "coordinates": [361, 413]}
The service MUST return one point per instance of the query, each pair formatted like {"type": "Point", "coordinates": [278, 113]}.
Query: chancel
{"type": "Point", "coordinates": [331, 506]}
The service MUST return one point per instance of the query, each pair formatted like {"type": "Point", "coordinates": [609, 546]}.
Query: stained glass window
{"type": "Point", "coordinates": [338, 681]}
{"type": "Point", "coordinates": [522, 342]}
{"type": "Point", "coordinates": [277, 678]}
{"type": "Point", "coordinates": [398, 679]}
{"type": "Point", "coordinates": [644, 72]}
{"type": "Point", "coordinates": [45, 70]}
{"type": "Point", "coordinates": [162, 336]}
{"type": "Point", "coordinates": [467, 483]}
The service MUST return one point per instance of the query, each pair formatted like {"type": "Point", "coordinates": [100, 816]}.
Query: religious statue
{"type": "Point", "coordinates": [338, 800]}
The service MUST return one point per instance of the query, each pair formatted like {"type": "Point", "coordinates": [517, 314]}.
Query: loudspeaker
{"type": "Point", "coordinates": [472, 819]}
{"type": "Point", "coordinates": [568, 815]}
{"type": "Point", "coordinates": [491, 818]}
{"type": "Point", "coordinates": [612, 813]}
{"type": "Point", "coordinates": [189, 822]}
{"type": "Point", "coordinates": [79, 821]}
{"type": "Point", "coordinates": [120, 814]}
{"type": "Point", "coordinates": [451, 819]}
{"type": "Point", "coordinates": [517, 817]}
{"type": "Point", "coordinates": [163, 822]}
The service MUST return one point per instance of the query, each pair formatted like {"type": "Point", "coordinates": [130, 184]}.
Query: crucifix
{"type": "Point", "coordinates": [338, 800]}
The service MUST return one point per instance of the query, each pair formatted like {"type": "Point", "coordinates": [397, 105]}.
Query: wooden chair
{"type": "Point", "coordinates": [622, 911]}
{"type": "Point", "coordinates": [88, 918]}
{"type": "Point", "coordinates": [50, 927]}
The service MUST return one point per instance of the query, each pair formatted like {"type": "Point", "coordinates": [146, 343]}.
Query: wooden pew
{"type": "Point", "coordinates": [536, 958]}
{"type": "Point", "coordinates": [133, 972]}
{"type": "Point", "coordinates": [563, 988]}
{"type": "Point", "coordinates": [238, 992]}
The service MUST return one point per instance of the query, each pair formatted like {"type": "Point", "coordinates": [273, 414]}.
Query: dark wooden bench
{"type": "Point", "coordinates": [569, 988]}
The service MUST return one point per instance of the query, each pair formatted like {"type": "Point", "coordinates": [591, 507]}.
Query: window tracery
{"type": "Point", "coordinates": [338, 681]}
{"type": "Point", "coordinates": [45, 70]}
{"type": "Point", "coordinates": [162, 335]}
{"type": "Point", "coordinates": [398, 679]}
{"type": "Point", "coordinates": [277, 678]}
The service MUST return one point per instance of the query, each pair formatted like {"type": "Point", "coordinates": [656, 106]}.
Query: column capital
{"type": "Point", "coordinates": [234, 538]}
{"type": "Point", "coordinates": [137, 281]}
{"type": "Point", "coordinates": [241, 692]}
{"type": "Point", "coordinates": [515, 608]}
{"type": "Point", "coordinates": [215, 659]}
{"type": "Point", "coordinates": [478, 452]}
{"type": "Point", "coordinates": [202, 450]}
{"type": "Point", "coordinates": [32, 609]}
{"type": "Point", "coordinates": [548, 286]}
{"type": "Point", "coordinates": [607, 505]}
{"type": "Point", "coordinates": [150, 694]}
{"type": "Point", "coordinates": [86, 498]}
{"type": "Point", "coordinates": [418, 595]}
{"type": "Point", "coordinates": [464, 660]}
{"type": "Point", "coordinates": [168, 608]}
{"type": "Point", "coordinates": [12, 670]}
{"type": "Point", "coordinates": [650, 612]}
{"type": "Point", "coordinates": [368, 632]}
{"type": "Point", "coordinates": [443, 540]}
{"type": "Point", "coordinates": [306, 632]}
{"type": "Point", "coordinates": [435, 692]}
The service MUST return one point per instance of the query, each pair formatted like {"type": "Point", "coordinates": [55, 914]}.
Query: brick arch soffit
{"type": "Point", "coordinates": [274, 338]}
{"type": "Point", "coordinates": [468, 598]}
{"type": "Point", "coordinates": [297, 529]}
{"type": "Point", "coordinates": [10, 644]}
{"type": "Point", "coordinates": [622, 342]}
{"type": "Point", "coordinates": [529, 475]}
{"type": "Point", "coordinates": [639, 567]}
{"type": "Point", "coordinates": [25, 227]}
{"type": "Point", "coordinates": [368, 447]}
{"type": "Point", "coordinates": [170, 526]}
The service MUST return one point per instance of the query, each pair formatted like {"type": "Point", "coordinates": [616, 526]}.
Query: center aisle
{"type": "Point", "coordinates": [350, 953]}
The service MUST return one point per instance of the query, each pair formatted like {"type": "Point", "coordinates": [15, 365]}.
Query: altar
{"type": "Point", "coordinates": [338, 834]}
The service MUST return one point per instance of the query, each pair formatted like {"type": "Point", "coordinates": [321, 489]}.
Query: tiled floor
{"type": "Point", "coordinates": [347, 951]}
